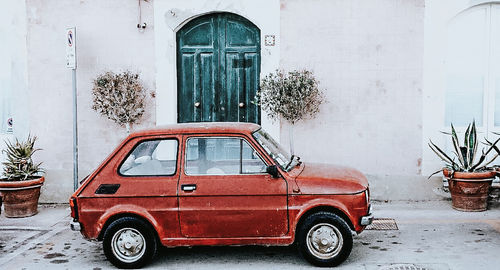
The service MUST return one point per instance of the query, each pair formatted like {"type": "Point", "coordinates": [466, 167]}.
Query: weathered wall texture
{"type": "Point", "coordinates": [438, 15]}
{"type": "Point", "coordinates": [368, 56]}
{"type": "Point", "coordinates": [13, 92]}
{"type": "Point", "coordinates": [107, 39]}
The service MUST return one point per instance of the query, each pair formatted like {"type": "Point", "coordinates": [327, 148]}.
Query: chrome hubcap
{"type": "Point", "coordinates": [324, 241]}
{"type": "Point", "coordinates": [128, 245]}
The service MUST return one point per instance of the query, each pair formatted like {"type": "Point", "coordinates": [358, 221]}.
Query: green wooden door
{"type": "Point", "coordinates": [218, 66]}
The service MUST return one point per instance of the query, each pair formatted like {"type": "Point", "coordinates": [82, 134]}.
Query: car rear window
{"type": "Point", "coordinates": [151, 158]}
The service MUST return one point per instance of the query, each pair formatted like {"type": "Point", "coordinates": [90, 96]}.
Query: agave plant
{"type": "Point", "coordinates": [465, 156]}
{"type": "Point", "coordinates": [19, 165]}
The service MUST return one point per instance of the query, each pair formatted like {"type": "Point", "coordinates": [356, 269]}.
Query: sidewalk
{"type": "Point", "coordinates": [429, 235]}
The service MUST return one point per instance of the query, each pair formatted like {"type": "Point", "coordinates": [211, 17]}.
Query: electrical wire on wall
{"type": "Point", "coordinates": [140, 24]}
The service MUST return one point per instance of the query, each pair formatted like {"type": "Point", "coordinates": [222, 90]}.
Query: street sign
{"type": "Point", "coordinates": [71, 64]}
{"type": "Point", "coordinates": [71, 47]}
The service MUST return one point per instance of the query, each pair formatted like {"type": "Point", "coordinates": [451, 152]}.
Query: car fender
{"type": "Point", "coordinates": [325, 203]}
{"type": "Point", "coordinates": [127, 210]}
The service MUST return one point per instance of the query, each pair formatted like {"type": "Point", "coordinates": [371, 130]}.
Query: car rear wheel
{"type": "Point", "coordinates": [324, 239]}
{"type": "Point", "coordinates": [129, 243]}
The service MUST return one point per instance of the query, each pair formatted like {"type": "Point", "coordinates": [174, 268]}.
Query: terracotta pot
{"type": "Point", "coordinates": [469, 191]}
{"type": "Point", "coordinates": [20, 198]}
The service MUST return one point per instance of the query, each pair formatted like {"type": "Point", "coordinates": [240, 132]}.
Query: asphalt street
{"type": "Point", "coordinates": [429, 235]}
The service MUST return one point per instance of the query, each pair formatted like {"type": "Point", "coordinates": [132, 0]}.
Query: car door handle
{"type": "Point", "coordinates": [190, 187]}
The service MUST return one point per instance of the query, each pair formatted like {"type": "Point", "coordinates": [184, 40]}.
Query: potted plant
{"type": "Point", "coordinates": [469, 177]}
{"type": "Point", "coordinates": [21, 182]}
{"type": "Point", "coordinates": [291, 96]}
{"type": "Point", "coordinates": [119, 97]}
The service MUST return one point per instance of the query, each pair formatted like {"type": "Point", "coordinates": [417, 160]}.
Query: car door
{"type": "Point", "coordinates": [225, 192]}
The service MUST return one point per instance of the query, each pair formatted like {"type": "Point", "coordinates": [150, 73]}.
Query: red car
{"type": "Point", "coordinates": [218, 184]}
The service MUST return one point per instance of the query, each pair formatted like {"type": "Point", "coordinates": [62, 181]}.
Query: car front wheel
{"type": "Point", "coordinates": [325, 239]}
{"type": "Point", "coordinates": [129, 243]}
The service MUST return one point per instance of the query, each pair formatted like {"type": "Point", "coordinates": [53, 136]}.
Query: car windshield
{"type": "Point", "coordinates": [274, 149]}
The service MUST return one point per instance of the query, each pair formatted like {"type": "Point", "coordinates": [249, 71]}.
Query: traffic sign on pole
{"type": "Point", "coordinates": [71, 47]}
{"type": "Point", "coordinates": [71, 63]}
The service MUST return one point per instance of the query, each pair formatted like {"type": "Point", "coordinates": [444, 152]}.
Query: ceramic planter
{"type": "Point", "coordinates": [469, 191]}
{"type": "Point", "coordinates": [20, 198]}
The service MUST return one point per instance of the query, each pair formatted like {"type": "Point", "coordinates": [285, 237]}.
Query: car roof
{"type": "Point", "coordinates": [199, 127]}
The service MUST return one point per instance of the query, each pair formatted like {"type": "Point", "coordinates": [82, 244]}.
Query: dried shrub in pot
{"type": "Point", "coordinates": [119, 97]}
{"type": "Point", "coordinates": [292, 96]}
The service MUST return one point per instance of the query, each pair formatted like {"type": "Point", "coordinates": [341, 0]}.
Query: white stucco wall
{"type": "Point", "coordinates": [438, 15]}
{"type": "Point", "coordinates": [368, 57]}
{"type": "Point", "coordinates": [13, 73]}
{"type": "Point", "coordinates": [106, 39]}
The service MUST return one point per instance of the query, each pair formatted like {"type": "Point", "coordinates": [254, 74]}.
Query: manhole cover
{"type": "Point", "coordinates": [383, 224]}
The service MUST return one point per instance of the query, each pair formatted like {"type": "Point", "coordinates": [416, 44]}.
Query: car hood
{"type": "Point", "coordinates": [318, 178]}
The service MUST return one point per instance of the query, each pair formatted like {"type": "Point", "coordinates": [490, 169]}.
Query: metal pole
{"type": "Point", "coordinates": [75, 133]}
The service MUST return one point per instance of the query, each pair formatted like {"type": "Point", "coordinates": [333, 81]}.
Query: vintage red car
{"type": "Point", "coordinates": [218, 184]}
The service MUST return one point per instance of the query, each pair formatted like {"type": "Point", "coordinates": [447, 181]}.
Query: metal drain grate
{"type": "Point", "coordinates": [405, 266]}
{"type": "Point", "coordinates": [408, 266]}
{"type": "Point", "coordinates": [382, 224]}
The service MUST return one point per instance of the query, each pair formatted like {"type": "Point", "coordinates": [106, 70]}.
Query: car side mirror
{"type": "Point", "coordinates": [273, 171]}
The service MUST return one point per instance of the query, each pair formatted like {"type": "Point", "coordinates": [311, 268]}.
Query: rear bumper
{"type": "Point", "coordinates": [75, 226]}
{"type": "Point", "coordinates": [368, 219]}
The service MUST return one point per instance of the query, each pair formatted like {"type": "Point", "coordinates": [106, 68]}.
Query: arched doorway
{"type": "Point", "coordinates": [218, 67]}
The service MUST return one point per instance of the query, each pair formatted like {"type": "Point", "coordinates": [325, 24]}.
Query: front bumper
{"type": "Point", "coordinates": [75, 226]}
{"type": "Point", "coordinates": [368, 219]}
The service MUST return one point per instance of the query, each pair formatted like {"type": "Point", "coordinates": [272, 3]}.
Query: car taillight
{"type": "Point", "coordinates": [74, 208]}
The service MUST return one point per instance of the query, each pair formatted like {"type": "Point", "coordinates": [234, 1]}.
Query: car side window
{"type": "Point", "coordinates": [150, 158]}
{"type": "Point", "coordinates": [222, 156]}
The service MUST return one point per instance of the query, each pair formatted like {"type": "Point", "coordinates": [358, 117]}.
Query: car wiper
{"type": "Point", "coordinates": [289, 163]}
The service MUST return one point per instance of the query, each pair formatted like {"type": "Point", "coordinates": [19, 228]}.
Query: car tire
{"type": "Point", "coordinates": [129, 243]}
{"type": "Point", "coordinates": [324, 239]}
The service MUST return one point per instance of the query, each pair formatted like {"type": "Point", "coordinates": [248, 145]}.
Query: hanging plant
{"type": "Point", "coordinates": [119, 97]}
{"type": "Point", "coordinates": [292, 96]}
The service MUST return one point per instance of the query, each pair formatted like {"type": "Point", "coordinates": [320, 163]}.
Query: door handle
{"type": "Point", "coordinates": [241, 104]}
{"type": "Point", "coordinates": [190, 187]}
{"type": "Point", "coordinates": [197, 104]}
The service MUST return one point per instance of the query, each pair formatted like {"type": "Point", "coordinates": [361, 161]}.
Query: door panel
{"type": "Point", "coordinates": [187, 81]}
{"type": "Point", "coordinates": [252, 111]}
{"type": "Point", "coordinates": [233, 206]}
{"type": "Point", "coordinates": [218, 63]}
{"type": "Point", "coordinates": [207, 87]}
{"type": "Point", "coordinates": [241, 35]}
{"type": "Point", "coordinates": [198, 76]}
{"type": "Point", "coordinates": [222, 199]}
{"type": "Point", "coordinates": [200, 35]}
{"type": "Point", "coordinates": [233, 85]}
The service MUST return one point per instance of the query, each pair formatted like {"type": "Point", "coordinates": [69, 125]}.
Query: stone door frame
{"type": "Point", "coordinates": [170, 16]}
